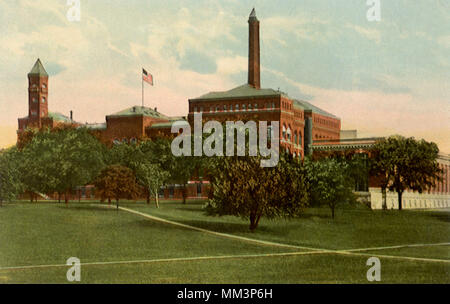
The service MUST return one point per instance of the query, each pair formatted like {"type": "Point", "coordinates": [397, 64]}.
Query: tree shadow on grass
{"type": "Point", "coordinates": [86, 208]}
{"type": "Point", "coordinates": [443, 216]}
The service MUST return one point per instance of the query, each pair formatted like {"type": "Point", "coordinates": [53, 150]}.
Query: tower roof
{"type": "Point", "coordinates": [38, 69]}
{"type": "Point", "coordinates": [253, 15]}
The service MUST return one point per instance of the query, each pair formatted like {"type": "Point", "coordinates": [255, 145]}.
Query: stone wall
{"type": "Point", "coordinates": [410, 200]}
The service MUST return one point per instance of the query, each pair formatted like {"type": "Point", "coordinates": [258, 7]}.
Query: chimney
{"type": "Point", "coordinates": [253, 51]}
{"type": "Point", "coordinates": [71, 115]}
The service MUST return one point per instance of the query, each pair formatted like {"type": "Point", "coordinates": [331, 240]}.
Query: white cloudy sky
{"type": "Point", "coordinates": [382, 78]}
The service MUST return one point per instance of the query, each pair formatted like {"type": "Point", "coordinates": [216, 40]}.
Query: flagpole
{"type": "Point", "coordinates": [142, 91]}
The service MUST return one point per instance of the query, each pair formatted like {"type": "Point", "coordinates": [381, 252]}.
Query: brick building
{"type": "Point", "coordinates": [300, 122]}
{"type": "Point", "coordinates": [304, 128]}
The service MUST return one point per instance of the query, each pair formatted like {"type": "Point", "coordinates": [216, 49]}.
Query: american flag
{"type": "Point", "coordinates": [147, 77]}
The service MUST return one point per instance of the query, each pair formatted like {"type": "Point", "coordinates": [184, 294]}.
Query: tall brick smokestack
{"type": "Point", "coordinates": [253, 51]}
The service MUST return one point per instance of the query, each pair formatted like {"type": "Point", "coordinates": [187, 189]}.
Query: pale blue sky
{"type": "Point", "coordinates": [381, 77]}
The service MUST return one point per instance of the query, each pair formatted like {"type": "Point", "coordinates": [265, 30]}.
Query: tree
{"type": "Point", "coordinates": [116, 182]}
{"type": "Point", "coordinates": [60, 159]}
{"type": "Point", "coordinates": [241, 187]}
{"type": "Point", "coordinates": [405, 163]}
{"type": "Point", "coordinates": [180, 169]}
{"type": "Point", "coordinates": [152, 177]}
{"type": "Point", "coordinates": [329, 182]}
{"type": "Point", "coordinates": [10, 185]}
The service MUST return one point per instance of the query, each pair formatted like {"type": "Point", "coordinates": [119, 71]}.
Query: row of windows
{"type": "Point", "coordinates": [34, 113]}
{"type": "Point", "coordinates": [326, 122]}
{"type": "Point", "coordinates": [286, 105]}
{"type": "Point", "coordinates": [322, 137]}
{"type": "Point", "coordinates": [118, 141]}
{"type": "Point", "coordinates": [235, 107]}
{"type": "Point", "coordinates": [35, 100]}
{"type": "Point", "coordinates": [44, 86]}
{"type": "Point", "coordinates": [287, 136]}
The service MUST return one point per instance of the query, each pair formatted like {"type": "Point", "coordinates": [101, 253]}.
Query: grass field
{"type": "Point", "coordinates": [50, 233]}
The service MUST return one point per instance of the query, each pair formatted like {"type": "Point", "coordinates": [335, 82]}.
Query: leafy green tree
{"type": "Point", "coordinates": [180, 169]}
{"type": "Point", "coordinates": [152, 177]}
{"type": "Point", "coordinates": [241, 187]}
{"type": "Point", "coordinates": [60, 159]}
{"type": "Point", "coordinates": [10, 185]}
{"type": "Point", "coordinates": [116, 182]}
{"type": "Point", "coordinates": [329, 182]}
{"type": "Point", "coordinates": [405, 163]}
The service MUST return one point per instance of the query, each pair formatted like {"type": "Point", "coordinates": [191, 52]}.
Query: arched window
{"type": "Point", "coordinates": [116, 141]}
{"type": "Point", "coordinates": [243, 107]}
{"type": "Point", "coordinates": [133, 141]}
{"type": "Point", "coordinates": [256, 106]}
{"type": "Point", "coordinates": [284, 132]}
{"type": "Point", "coordinates": [288, 134]}
{"type": "Point", "coordinates": [217, 108]}
{"type": "Point", "coordinates": [44, 86]}
{"type": "Point", "coordinates": [124, 140]}
{"type": "Point", "coordinates": [300, 142]}
{"type": "Point", "coordinates": [34, 99]}
{"type": "Point", "coordinates": [294, 155]}
{"type": "Point", "coordinates": [249, 107]}
{"type": "Point", "coordinates": [43, 100]}
{"type": "Point", "coordinates": [237, 107]}
{"type": "Point", "coordinates": [195, 109]}
{"type": "Point", "coordinates": [295, 138]}
{"type": "Point", "coordinates": [211, 109]}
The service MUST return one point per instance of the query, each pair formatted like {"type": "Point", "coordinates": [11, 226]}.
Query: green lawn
{"type": "Point", "coordinates": [50, 233]}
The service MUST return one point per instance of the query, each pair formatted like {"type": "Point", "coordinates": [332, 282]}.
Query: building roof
{"type": "Point", "coordinates": [253, 15]}
{"type": "Point", "coordinates": [169, 123]}
{"type": "Point", "coordinates": [59, 117]}
{"type": "Point", "coordinates": [240, 91]}
{"type": "Point", "coordinates": [38, 69]}
{"type": "Point", "coordinates": [95, 126]}
{"type": "Point", "coordinates": [310, 107]}
{"type": "Point", "coordinates": [140, 110]}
